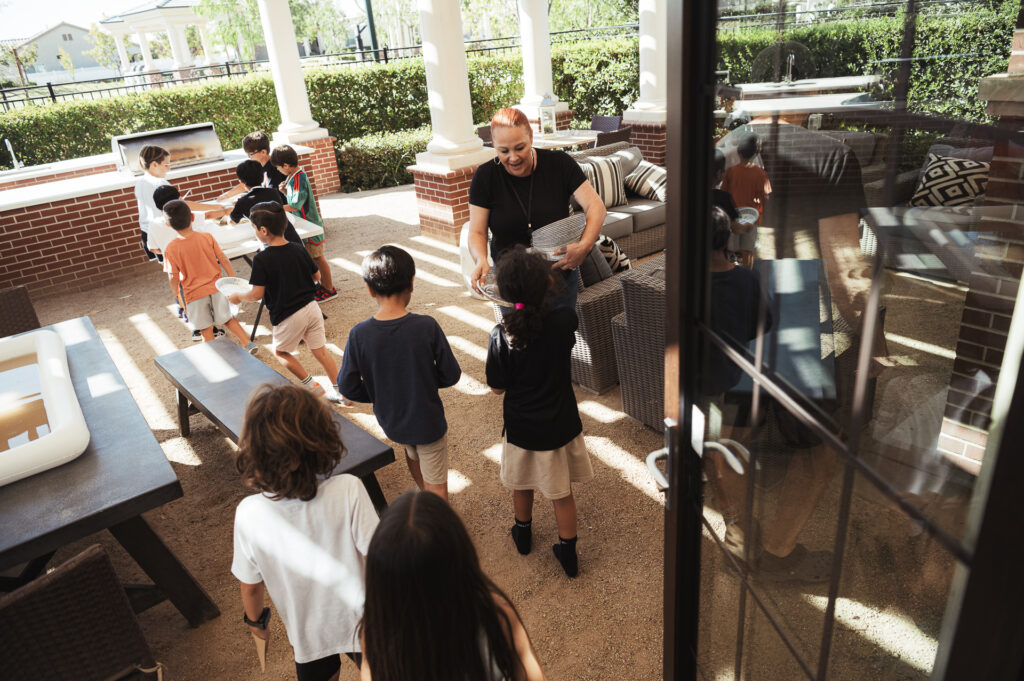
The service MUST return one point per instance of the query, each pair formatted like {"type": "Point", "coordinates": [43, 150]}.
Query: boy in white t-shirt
{"type": "Point", "coordinates": [306, 535]}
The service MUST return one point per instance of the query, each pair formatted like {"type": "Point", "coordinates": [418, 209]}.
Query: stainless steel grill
{"type": "Point", "coordinates": [187, 144]}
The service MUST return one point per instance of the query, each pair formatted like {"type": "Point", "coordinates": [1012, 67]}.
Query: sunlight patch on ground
{"type": "Point", "coordinates": [457, 481]}
{"type": "Point", "coordinates": [152, 334]}
{"type": "Point", "coordinates": [470, 386]}
{"type": "Point", "coordinates": [335, 349]}
{"type": "Point", "coordinates": [368, 422]}
{"type": "Point", "coordinates": [470, 348]}
{"type": "Point", "coordinates": [930, 348]}
{"type": "Point", "coordinates": [435, 243]}
{"type": "Point", "coordinates": [422, 275]}
{"type": "Point", "coordinates": [149, 403]}
{"type": "Point", "coordinates": [178, 450]}
{"type": "Point", "coordinates": [632, 470]}
{"type": "Point", "coordinates": [892, 631]}
{"type": "Point", "coordinates": [599, 412]}
{"type": "Point", "coordinates": [425, 257]}
{"type": "Point", "coordinates": [494, 452]}
{"type": "Point", "coordinates": [348, 265]}
{"type": "Point", "coordinates": [467, 317]}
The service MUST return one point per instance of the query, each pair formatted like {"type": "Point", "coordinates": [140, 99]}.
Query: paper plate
{"type": "Point", "coordinates": [231, 285]}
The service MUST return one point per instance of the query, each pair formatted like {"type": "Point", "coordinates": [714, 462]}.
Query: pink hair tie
{"type": "Point", "coordinates": [519, 306]}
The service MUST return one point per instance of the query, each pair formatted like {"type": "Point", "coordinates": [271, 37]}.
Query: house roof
{"type": "Point", "coordinates": [19, 42]}
{"type": "Point", "coordinates": [149, 7]}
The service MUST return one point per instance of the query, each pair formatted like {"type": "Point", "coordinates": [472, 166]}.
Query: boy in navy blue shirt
{"type": "Point", "coordinates": [398, 361]}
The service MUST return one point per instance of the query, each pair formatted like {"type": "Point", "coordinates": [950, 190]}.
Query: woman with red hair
{"type": "Point", "coordinates": [525, 189]}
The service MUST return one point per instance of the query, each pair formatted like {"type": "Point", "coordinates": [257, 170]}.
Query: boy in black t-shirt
{"type": "Point", "coordinates": [284, 275]}
{"type": "Point", "coordinates": [398, 360]}
{"type": "Point", "coordinates": [256, 146]}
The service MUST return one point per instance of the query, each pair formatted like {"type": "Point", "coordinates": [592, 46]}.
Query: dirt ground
{"type": "Point", "coordinates": [606, 624]}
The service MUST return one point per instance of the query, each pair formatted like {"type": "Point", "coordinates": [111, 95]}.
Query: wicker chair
{"type": "Point", "coordinates": [605, 123]}
{"type": "Point", "coordinates": [620, 135]}
{"type": "Point", "coordinates": [639, 338]}
{"type": "Point", "coordinates": [16, 312]}
{"type": "Point", "coordinates": [73, 623]}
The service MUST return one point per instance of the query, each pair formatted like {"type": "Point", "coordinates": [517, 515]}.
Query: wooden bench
{"type": "Point", "coordinates": [217, 378]}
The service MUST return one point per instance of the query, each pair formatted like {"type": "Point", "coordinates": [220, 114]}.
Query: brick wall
{"type": "Point", "coordinates": [94, 239]}
{"type": "Point", "coordinates": [54, 177]}
{"type": "Point", "coordinates": [443, 202]}
{"type": "Point", "coordinates": [650, 138]}
{"type": "Point", "coordinates": [992, 292]}
{"type": "Point", "coordinates": [322, 166]}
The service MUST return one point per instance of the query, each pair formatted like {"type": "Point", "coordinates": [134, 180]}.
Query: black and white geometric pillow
{"type": "Point", "coordinates": [948, 181]}
{"type": "Point", "coordinates": [616, 259]}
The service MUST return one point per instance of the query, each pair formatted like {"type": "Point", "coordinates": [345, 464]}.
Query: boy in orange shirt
{"type": "Point", "coordinates": [749, 186]}
{"type": "Point", "coordinates": [196, 260]}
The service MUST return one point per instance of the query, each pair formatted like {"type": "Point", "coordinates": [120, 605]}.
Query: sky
{"type": "Point", "coordinates": [25, 18]}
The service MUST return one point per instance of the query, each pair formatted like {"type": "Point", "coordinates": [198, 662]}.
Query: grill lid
{"type": "Point", "coordinates": [188, 145]}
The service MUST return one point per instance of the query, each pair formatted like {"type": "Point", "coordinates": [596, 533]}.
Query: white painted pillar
{"type": "Point", "coordinates": [297, 124]}
{"type": "Point", "coordinates": [455, 143]}
{"type": "Point", "coordinates": [179, 46]}
{"type": "Point", "coordinates": [651, 105]}
{"type": "Point", "coordinates": [147, 56]}
{"type": "Point", "coordinates": [122, 53]}
{"type": "Point", "coordinates": [204, 40]}
{"type": "Point", "coordinates": [536, 48]}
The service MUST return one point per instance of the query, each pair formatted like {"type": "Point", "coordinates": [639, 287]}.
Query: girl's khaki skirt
{"type": "Point", "coordinates": [549, 472]}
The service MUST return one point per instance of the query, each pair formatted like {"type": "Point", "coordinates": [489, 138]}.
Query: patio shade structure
{"type": "Point", "coordinates": [167, 16]}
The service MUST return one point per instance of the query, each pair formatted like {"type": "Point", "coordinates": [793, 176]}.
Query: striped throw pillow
{"type": "Point", "coordinates": [605, 176]}
{"type": "Point", "coordinates": [648, 180]}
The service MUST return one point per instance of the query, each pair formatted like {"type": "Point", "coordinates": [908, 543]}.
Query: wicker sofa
{"type": "Point", "coordinates": [638, 227]}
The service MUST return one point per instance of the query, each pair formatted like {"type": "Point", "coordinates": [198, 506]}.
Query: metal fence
{"type": "Point", "coordinates": [17, 97]}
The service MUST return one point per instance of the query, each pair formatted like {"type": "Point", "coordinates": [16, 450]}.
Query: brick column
{"type": "Point", "coordinates": [992, 290]}
{"type": "Point", "coordinates": [650, 138]}
{"type": "Point", "coordinates": [322, 166]}
{"type": "Point", "coordinates": [443, 201]}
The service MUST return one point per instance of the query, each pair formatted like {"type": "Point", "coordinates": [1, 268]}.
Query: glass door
{"type": "Point", "coordinates": [843, 374]}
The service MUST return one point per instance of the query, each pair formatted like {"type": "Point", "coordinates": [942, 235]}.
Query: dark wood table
{"type": "Point", "coordinates": [218, 377]}
{"type": "Point", "coordinates": [122, 474]}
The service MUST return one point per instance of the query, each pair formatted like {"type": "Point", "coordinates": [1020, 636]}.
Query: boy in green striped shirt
{"type": "Point", "coordinates": [299, 195]}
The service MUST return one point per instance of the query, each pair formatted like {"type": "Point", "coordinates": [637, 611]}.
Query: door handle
{"type": "Point", "coordinates": [660, 481]}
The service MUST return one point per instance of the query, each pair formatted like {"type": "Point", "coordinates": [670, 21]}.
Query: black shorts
{"type": "Point", "coordinates": [324, 668]}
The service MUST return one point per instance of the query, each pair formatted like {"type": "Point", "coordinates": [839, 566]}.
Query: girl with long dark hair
{"type": "Point", "coordinates": [431, 614]}
{"type": "Point", "coordinates": [528, 361]}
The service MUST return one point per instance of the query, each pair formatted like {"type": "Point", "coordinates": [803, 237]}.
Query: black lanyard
{"type": "Point", "coordinates": [529, 197]}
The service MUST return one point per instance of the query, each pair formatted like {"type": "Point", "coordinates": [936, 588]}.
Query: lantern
{"type": "Point", "coordinates": [547, 116]}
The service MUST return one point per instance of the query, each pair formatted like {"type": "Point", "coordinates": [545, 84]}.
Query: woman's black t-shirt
{"type": "Point", "coordinates": [555, 179]}
{"type": "Point", "coordinates": [540, 406]}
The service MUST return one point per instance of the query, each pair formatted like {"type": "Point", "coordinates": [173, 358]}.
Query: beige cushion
{"type": "Point", "coordinates": [646, 213]}
{"type": "Point", "coordinates": [617, 224]}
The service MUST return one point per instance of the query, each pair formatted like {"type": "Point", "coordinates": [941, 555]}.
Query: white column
{"type": "Point", "coordinates": [147, 56]}
{"type": "Point", "coordinates": [204, 40]}
{"type": "Point", "coordinates": [122, 53]}
{"type": "Point", "coordinates": [455, 143]}
{"type": "Point", "coordinates": [651, 106]}
{"type": "Point", "coordinates": [536, 48]}
{"type": "Point", "coordinates": [179, 46]}
{"type": "Point", "coordinates": [297, 124]}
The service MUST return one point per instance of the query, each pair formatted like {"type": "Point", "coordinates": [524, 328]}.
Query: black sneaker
{"type": "Point", "coordinates": [196, 336]}
{"type": "Point", "coordinates": [217, 333]}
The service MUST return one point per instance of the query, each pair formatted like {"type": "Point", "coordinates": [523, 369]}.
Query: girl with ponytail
{"type": "Point", "coordinates": [528, 361]}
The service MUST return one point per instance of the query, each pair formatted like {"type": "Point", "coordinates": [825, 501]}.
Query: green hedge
{"type": "Point", "coordinates": [379, 159]}
{"type": "Point", "coordinates": [595, 77]}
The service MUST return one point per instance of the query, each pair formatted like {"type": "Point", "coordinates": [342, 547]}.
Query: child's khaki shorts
{"type": "Point", "coordinates": [314, 250]}
{"type": "Point", "coordinates": [306, 324]}
{"type": "Point", "coordinates": [433, 458]}
{"type": "Point", "coordinates": [209, 310]}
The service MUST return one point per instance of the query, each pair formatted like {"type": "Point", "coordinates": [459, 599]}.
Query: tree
{"type": "Point", "coordinates": [104, 48]}
{"type": "Point", "coordinates": [160, 46]}
{"type": "Point", "coordinates": [236, 23]}
{"type": "Point", "coordinates": [19, 57]}
{"type": "Point", "coordinates": [319, 20]}
{"type": "Point", "coordinates": [65, 60]}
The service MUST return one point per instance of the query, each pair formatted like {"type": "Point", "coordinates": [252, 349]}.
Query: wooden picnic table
{"type": "Point", "coordinates": [121, 474]}
{"type": "Point", "coordinates": [217, 378]}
